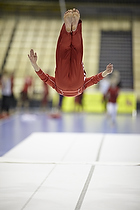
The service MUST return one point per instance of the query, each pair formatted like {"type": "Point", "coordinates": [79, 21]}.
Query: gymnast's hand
{"type": "Point", "coordinates": [32, 56]}
{"type": "Point", "coordinates": [109, 70]}
{"type": "Point", "coordinates": [33, 59]}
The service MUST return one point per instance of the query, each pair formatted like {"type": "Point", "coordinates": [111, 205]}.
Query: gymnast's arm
{"type": "Point", "coordinates": [95, 79]}
{"type": "Point", "coordinates": [44, 77]}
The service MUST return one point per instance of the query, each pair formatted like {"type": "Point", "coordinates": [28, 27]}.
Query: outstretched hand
{"type": "Point", "coordinates": [109, 68]}
{"type": "Point", "coordinates": [32, 57]}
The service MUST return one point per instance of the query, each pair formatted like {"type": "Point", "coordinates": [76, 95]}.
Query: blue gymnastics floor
{"type": "Point", "coordinates": [77, 162]}
{"type": "Point", "coordinates": [20, 125]}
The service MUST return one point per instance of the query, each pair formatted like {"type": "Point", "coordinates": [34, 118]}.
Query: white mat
{"type": "Point", "coordinates": [71, 171]}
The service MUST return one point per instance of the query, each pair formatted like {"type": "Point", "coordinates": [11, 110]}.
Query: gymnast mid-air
{"type": "Point", "coordinates": [70, 77]}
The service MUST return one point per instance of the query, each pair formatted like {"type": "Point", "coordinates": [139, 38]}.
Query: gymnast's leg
{"type": "Point", "coordinates": [77, 50]}
{"type": "Point", "coordinates": [69, 52]}
{"type": "Point", "coordinates": [63, 51]}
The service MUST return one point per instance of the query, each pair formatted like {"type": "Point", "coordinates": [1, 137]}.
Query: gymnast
{"type": "Point", "coordinates": [70, 77]}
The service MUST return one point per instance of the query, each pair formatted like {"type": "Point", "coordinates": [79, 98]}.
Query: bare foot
{"type": "Point", "coordinates": [75, 19]}
{"type": "Point", "coordinates": [68, 20]}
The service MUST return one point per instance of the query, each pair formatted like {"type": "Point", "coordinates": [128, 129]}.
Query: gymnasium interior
{"type": "Point", "coordinates": [55, 153]}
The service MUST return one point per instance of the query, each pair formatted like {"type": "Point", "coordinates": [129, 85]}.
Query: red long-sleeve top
{"type": "Point", "coordinates": [112, 94]}
{"type": "Point", "coordinates": [70, 93]}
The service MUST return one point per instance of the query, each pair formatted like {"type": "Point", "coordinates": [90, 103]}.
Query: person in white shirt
{"type": "Point", "coordinates": [6, 94]}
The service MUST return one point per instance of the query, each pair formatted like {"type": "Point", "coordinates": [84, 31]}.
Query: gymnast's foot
{"type": "Point", "coordinates": [68, 20]}
{"type": "Point", "coordinates": [75, 19]}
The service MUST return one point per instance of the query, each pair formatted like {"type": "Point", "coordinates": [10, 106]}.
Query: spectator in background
{"type": "Point", "coordinates": [104, 86]}
{"type": "Point", "coordinates": [112, 95]}
{"type": "Point", "coordinates": [24, 97]}
{"type": "Point", "coordinates": [79, 102]}
{"type": "Point", "coordinates": [60, 101]}
{"type": "Point", "coordinates": [6, 85]}
{"type": "Point", "coordinates": [116, 75]}
{"type": "Point", "coordinates": [13, 100]}
{"type": "Point", "coordinates": [44, 100]}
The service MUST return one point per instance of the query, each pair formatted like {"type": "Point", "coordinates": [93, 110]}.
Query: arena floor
{"type": "Point", "coordinates": [79, 161]}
